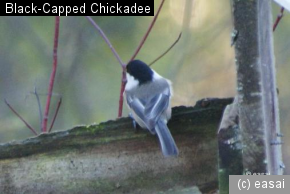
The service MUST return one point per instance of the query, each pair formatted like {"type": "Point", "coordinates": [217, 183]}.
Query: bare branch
{"type": "Point", "coordinates": [14, 111]}
{"type": "Point", "coordinates": [55, 115]}
{"type": "Point", "coordinates": [106, 39]}
{"type": "Point", "coordinates": [123, 84]}
{"type": "Point", "coordinates": [148, 31]}
{"type": "Point", "coordinates": [279, 17]}
{"type": "Point", "coordinates": [52, 76]}
{"type": "Point", "coordinates": [176, 41]}
{"type": "Point", "coordinates": [121, 98]}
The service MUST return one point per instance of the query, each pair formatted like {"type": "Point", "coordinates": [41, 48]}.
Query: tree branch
{"type": "Point", "coordinates": [176, 41]}
{"type": "Point", "coordinates": [14, 111]}
{"type": "Point", "coordinates": [148, 31]}
{"type": "Point", "coordinates": [279, 17]}
{"type": "Point", "coordinates": [123, 84]}
{"type": "Point", "coordinates": [121, 98]}
{"type": "Point", "coordinates": [106, 40]}
{"type": "Point", "coordinates": [52, 76]}
{"type": "Point", "coordinates": [55, 114]}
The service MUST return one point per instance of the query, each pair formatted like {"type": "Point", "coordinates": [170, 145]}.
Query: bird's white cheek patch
{"type": "Point", "coordinates": [131, 82]}
{"type": "Point", "coordinates": [156, 76]}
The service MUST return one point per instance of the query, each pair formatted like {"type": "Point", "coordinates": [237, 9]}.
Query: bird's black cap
{"type": "Point", "coordinates": [140, 71]}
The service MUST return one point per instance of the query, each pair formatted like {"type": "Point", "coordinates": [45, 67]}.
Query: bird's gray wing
{"type": "Point", "coordinates": [137, 107]}
{"type": "Point", "coordinates": [149, 110]}
{"type": "Point", "coordinates": [154, 108]}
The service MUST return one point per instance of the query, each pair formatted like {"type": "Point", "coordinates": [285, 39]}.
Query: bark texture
{"type": "Point", "coordinates": [257, 96]}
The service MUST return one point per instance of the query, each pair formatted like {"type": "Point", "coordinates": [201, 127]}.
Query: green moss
{"type": "Point", "coordinates": [197, 121]}
{"type": "Point", "coordinates": [224, 181]}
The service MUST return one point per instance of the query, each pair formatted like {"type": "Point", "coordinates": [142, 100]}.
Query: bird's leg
{"type": "Point", "coordinates": [135, 124]}
{"type": "Point", "coordinates": [133, 120]}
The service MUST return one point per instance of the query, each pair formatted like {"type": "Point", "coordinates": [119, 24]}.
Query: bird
{"type": "Point", "coordinates": [147, 95]}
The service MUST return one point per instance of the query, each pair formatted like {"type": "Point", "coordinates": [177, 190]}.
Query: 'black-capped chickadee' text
{"type": "Point", "coordinates": [100, 9]}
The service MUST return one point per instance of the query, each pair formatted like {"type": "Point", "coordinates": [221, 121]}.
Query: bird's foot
{"type": "Point", "coordinates": [133, 121]}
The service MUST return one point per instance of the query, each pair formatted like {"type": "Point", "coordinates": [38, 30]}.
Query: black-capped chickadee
{"type": "Point", "coordinates": [148, 97]}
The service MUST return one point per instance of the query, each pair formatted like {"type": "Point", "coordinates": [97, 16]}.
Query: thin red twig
{"type": "Point", "coordinates": [55, 114]}
{"type": "Point", "coordinates": [14, 111]}
{"type": "Point", "coordinates": [106, 39]}
{"type": "Point", "coordinates": [121, 98]}
{"type": "Point", "coordinates": [52, 76]}
{"type": "Point", "coordinates": [176, 41]}
{"type": "Point", "coordinates": [148, 31]}
{"type": "Point", "coordinates": [279, 17]}
{"type": "Point", "coordinates": [123, 84]}
{"type": "Point", "coordinates": [123, 81]}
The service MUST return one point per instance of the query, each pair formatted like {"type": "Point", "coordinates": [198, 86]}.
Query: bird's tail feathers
{"type": "Point", "coordinates": [166, 140]}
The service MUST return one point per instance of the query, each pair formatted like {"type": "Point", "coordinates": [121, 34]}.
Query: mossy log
{"type": "Point", "coordinates": [112, 157]}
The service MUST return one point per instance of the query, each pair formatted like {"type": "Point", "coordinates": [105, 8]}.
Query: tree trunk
{"type": "Point", "coordinates": [257, 96]}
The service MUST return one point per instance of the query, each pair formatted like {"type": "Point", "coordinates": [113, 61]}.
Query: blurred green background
{"type": "Point", "coordinates": [88, 76]}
